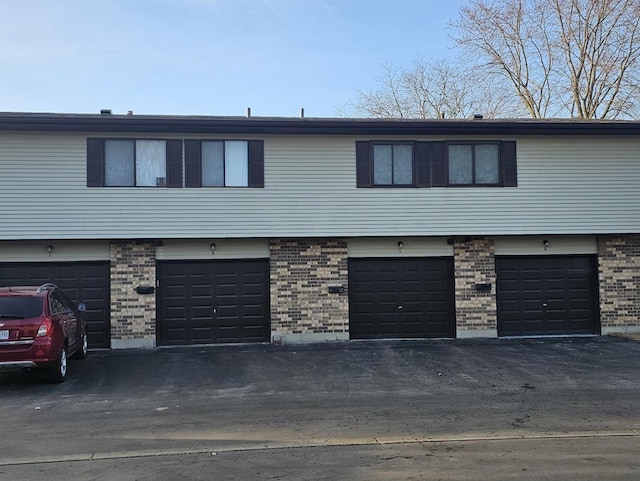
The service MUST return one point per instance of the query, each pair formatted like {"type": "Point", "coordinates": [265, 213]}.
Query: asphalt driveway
{"type": "Point", "coordinates": [492, 409]}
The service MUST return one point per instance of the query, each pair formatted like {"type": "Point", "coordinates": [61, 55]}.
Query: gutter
{"type": "Point", "coordinates": [108, 123]}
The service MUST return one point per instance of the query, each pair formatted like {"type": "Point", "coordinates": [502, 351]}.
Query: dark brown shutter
{"type": "Point", "coordinates": [95, 162]}
{"type": "Point", "coordinates": [192, 163]}
{"type": "Point", "coordinates": [439, 164]}
{"type": "Point", "coordinates": [363, 164]}
{"type": "Point", "coordinates": [256, 163]}
{"type": "Point", "coordinates": [423, 165]}
{"type": "Point", "coordinates": [508, 164]}
{"type": "Point", "coordinates": [174, 163]}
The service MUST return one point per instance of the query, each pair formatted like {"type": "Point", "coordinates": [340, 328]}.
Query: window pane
{"type": "Point", "coordinates": [118, 160]}
{"type": "Point", "coordinates": [20, 307]}
{"type": "Point", "coordinates": [236, 163]}
{"type": "Point", "coordinates": [403, 164]}
{"type": "Point", "coordinates": [151, 163]}
{"type": "Point", "coordinates": [212, 164]}
{"type": "Point", "coordinates": [487, 170]}
{"type": "Point", "coordinates": [460, 164]}
{"type": "Point", "coordinates": [382, 172]}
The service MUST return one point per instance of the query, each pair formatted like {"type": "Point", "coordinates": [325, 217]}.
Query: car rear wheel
{"type": "Point", "coordinates": [58, 372]}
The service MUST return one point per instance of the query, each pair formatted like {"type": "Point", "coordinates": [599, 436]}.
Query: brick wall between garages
{"type": "Point", "coordinates": [301, 272]}
{"type": "Point", "coordinates": [133, 315]}
{"type": "Point", "coordinates": [619, 273]}
{"type": "Point", "coordinates": [474, 263]}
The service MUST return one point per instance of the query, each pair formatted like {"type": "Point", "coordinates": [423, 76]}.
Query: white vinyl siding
{"type": "Point", "coordinates": [566, 185]}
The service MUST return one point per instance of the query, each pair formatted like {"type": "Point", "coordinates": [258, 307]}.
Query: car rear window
{"type": "Point", "coordinates": [20, 307]}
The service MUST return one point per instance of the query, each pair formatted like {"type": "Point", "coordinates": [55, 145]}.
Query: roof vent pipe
{"type": "Point", "coordinates": [302, 113]}
{"type": "Point", "coordinates": [129, 113]}
{"type": "Point", "coordinates": [105, 112]}
{"type": "Point", "coordinates": [248, 112]}
{"type": "Point", "coordinates": [478, 116]}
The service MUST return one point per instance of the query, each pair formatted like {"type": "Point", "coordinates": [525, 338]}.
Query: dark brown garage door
{"type": "Point", "coordinates": [401, 298]}
{"type": "Point", "coordinates": [86, 282]}
{"type": "Point", "coordinates": [550, 295]}
{"type": "Point", "coordinates": [213, 301]}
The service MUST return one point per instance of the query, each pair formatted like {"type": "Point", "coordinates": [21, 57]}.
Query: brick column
{"type": "Point", "coordinates": [619, 283]}
{"type": "Point", "coordinates": [476, 311]}
{"type": "Point", "coordinates": [302, 308]}
{"type": "Point", "coordinates": [133, 315]}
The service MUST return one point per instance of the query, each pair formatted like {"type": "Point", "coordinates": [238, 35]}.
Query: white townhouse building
{"type": "Point", "coordinates": [181, 230]}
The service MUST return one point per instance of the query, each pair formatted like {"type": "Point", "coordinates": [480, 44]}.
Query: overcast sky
{"type": "Point", "coordinates": [209, 57]}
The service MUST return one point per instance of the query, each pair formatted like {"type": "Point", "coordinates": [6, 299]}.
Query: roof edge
{"type": "Point", "coordinates": [113, 123]}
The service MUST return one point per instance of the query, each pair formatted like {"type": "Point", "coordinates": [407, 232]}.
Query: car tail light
{"type": "Point", "coordinates": [46, 328]}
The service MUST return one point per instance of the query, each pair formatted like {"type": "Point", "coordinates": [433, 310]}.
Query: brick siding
{"type": "Point", "coordinates": [133, 315]}
{"type": "Point", "coordinates": [474, 263]}
{"type": "Point", "coordinates": [619, 273]}
{"type": "Point", "coordinates": [301, 272]}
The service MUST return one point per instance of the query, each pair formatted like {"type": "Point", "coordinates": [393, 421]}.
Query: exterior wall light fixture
{"type": "Point", "coordinates": [545, 243]}
{"type": "Point", "coordinates": [49, 249]}
{"type": "Point", "coordinates": [213, 248]}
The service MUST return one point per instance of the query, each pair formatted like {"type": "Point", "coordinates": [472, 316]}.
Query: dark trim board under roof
{"type": "Point", "coordinates": [109, 123]}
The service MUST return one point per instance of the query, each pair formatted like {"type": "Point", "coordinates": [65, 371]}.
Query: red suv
{"type": "Point", "coordinates": [40, 327]}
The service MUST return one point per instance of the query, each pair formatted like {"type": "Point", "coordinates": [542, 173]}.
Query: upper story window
{"type": "Point", "coordinates": [436, 164]}
{"type": "Point", "coordinates": [134, 163]}
{"type": "Point", "coordinates": [141, 163]}
{"type": "Point", "coordinates": [224, 163]}
{"type": "Point", "coordinates": [161, 163]}
{"type": "Point", "coordinates": [392, 164]}
{"type": "Point", "coordinates": [474, 164]}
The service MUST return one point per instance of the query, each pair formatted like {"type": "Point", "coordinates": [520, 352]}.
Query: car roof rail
{"type": "Point", "coordinates": [48, 285]}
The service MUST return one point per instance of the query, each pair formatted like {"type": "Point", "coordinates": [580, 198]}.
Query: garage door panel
{"type": "Point", "coordinates": [176, 312]}
{"type": "Point", "coordinates": [177, 335]}
{"type": "Point", "coordinates": [223, 301]}
{"type": "Point", "coordinates": [395, 298]}
{"type": "Point", "coordinates": [362, 311]}
{"type": "Point", "coordinates": [252, 333]}
{"type": "Point", "coordinates": [252, 289]}
{"type": "Point", "coordinates": [578, 284]}
{"type": "Point", "coordinates": [412, 308]}
{"type": "Point", "coordinates": [436, 285]}
{"type": "Point", "coordinates": [411, 288]}
{"type": "Point", "coordinates": [86, 282]}
{"type": "Point", "coordinates": [546, 295]}
{"type": "Point", "coordinates": [390, 308]}
{"type": "Point", "coordinates": [255, 311]}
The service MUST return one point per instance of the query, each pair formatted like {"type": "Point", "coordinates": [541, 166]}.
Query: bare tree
{"type": "Point", "coordinates": [600, 41]}
{"type": "Point", "coordinates": [433, 89]}
{"type": "Point", "coordinates": [577, 57]}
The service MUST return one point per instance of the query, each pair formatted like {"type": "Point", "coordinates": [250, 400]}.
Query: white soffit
{"type": "Point", "coordinates": [212, 249]}
{"type": "Point", "coordinates": [546, 245]}
{"type": "Point", "coordinates": [400, 246]}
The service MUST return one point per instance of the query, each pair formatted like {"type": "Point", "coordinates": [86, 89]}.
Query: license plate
{"type": "Point", "coordinates": [4, 335]}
